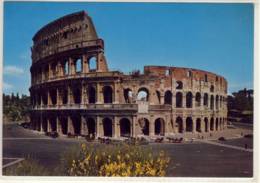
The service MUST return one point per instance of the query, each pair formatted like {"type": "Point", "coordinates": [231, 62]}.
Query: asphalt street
{"type": "Point", "coordinates": [197, 159]}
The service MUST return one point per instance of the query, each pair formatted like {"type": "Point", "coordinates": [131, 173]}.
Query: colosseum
{"type": "Point", "coordinates": [74, 92]}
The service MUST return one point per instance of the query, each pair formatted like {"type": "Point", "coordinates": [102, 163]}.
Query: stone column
{"type": "Point", "coordinates": [184, 124]}
{"type": "Point", "coordinates": [116, 93]}
{"type": "Point", "coordinates": [151, 128]}
{"type": "Point", "coordinates": [173, 100]}
{"type": "Point", "coordinates": [49, 125]}
{"type": "Point", "coordinates": [99, 94]}
{"type": "Point", "coordinates": [85, 64]}
{"type": "Point", "coordinates": [184, 99]}
{"type": "Point", "coordinates": [201, 101]}
{"type": "Point", "coordinates": [58, 97]}
{"type": "Point", "coordinates": [194, 125]}
{"type": "Point", "coordinates": [70, 66]}
{"type": "Point", "coordinates": [166, 126]}
{"type": "Point", "coordinates": [49, 71]}
{"type": "Point", "coordinates": [70, 97]}
{"type": "Point", "coordinates": [208, 126]}
{"type": "Point", "coordinates": [193, 101]}
{"type": "Point", "coordinates": [59, 127]}
{"type": "Point", "coordinates": [49, 98]}
{"type": "Point", "coordinates": [162, 98]}
{"type": "Point", "coordinates": [100, 129]}
{"type": "Point", "coordinates": [116, 128]}
{"type": "Point", "coordinates": [59, 71]}
{"type": "Point", "coordinates": [83, 126]}
{"type": "Point", "coordinates": [202, 125]}
{"type": "Point", "coordinates": [83, 92]}
{"type": "Point", "coordinates": [133, 126]}
{"type": "Point", "coordinates": [70, 125]}
{"type": "Point", "coordinates": [214, 103]}
{"type": "Point", "coordinates": [41, 100]}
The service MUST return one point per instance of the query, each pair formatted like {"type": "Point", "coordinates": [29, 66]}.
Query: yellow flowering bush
{"type": "Point", "coordinates": [120, 160]}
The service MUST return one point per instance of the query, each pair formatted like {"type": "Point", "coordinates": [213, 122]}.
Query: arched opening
{"type": "Point", "coordinates": [46, 72]}
{"type": "Point", "coordinates": [159, 126]}
{"type": "Point", "coordinates": [76, 122]}
{"type": "Point", "coordinates": [220, 102]}
{"type": "Point", "coordinates": [38, 99]}
{"type": "Point", "coordinates": [78, 64]}
{"type": "Point", "coordinates": [91, 126]}
{"type": "Point", "coordinates": [178, 100]}
{"type": "Point", "coordinates": [53, 123]}
{"type": "Point", "coordinates": [53, 70]}
{"type": "Point", "coordinates": [53, 95]}
{"type": "Point", "coordinates": [197, 99]}
{"type": "Point", "coordinates": [217, 102]}
{"type": "Point", "coordinates": [220, 123]}
{"type": "Point", "coordinates": [44, 124]}
{"type": "Point", "coordinates": [179, 122]}
{"type": "Point", "coordinates": [107, 127]}
{"type": "Point", "coordinates": [144, 124]}
{"type": "Point", "coordinates": [211, 88]}
{"type": "Point", "coordinates": [77, 95]}
{"type": "Point", "coordinates": [128, 95]}
{"type": "Point", "coordinates": [45, 98]}
{"type": "Point", "coordinates": [206, 124]}
{"type": "Point", "coordinates": [92, 64]}
{"type": "Point", "coordinates": [189, 125]}
{"type": "Point", "coordinates": [143, 94]}
{"type": "Point", "coordinates": [107, 94]}
{"type": "Point", "coordinates": [168, 97]}
{"type": "Point", "coordinates": [65, 96]}
{"type": "Point", "coordinates": [64, 125]}
{"type": "Point", "coordinates": [189, 100]}
{"type": "Point", "coordinates": [158, 97]}
{"type": "Point", "coordinates": [179, 85]}
{"type": "Point", "coordinates": [66, 67]}
{"type": "Point", "coordinates": [91, 95]}
{"type": "Point", "coordinates": [211, 124]}
{"type": "Point", "coordinates": [212, 102]}
{"type": "Point", "coordinates": [206, 78]}
{"type": "Point", "coordinates": [198, 125]}
{"type": "Point", "coordinates": [125, 127]}
{"type": "Point", "coordinates": [205, 100]}
{"type": "Point", "coordinates": [189, 74]}
{"type": "Point", "coordinates": [217, 125]}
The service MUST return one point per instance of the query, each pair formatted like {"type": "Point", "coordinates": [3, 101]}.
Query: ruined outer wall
{"type": "Point", "coordinates": [71, 97]}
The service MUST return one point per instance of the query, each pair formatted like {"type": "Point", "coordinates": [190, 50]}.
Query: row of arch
{"type": "Point", "coordinates": [88, 126]}
{"type": "Point", "coordinates": [74, 95]}
{"type": "Point", "coordinates": [200, 125]}
{"type": "Point", "coordinates": [66, 67]}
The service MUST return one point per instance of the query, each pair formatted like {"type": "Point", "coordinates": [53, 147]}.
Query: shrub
{"type": "Point", "coordinates": [120, 160]}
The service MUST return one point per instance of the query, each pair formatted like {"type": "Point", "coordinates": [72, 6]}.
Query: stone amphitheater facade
{"type": "Point", "coordinates": [73, 91]}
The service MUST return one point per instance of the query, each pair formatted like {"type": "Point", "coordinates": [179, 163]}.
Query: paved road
{"type": "Point", "coordinates": [226, 145]}
{"type": "Point", "coordinates": [197, 159]}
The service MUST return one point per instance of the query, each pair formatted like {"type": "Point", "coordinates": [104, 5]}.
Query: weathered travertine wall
{"type": "Point", "coordinates": [74, 92]}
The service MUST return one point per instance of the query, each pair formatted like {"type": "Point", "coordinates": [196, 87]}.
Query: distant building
{"type": "Point", "coordinates": [71, 95]}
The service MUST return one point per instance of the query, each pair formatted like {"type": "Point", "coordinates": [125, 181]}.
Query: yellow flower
{"type": "Point", "coordinates": [118, 157]}
{"type": "Point", "coordinates": [83, 146]}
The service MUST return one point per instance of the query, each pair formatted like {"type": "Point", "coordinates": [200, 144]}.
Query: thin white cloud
{"type": "Point", "coordinates": [25, 56]}
{"type": "Point", "coordinates": [13, 70]}
{"type": "Point", "coordinates": [7, 86]}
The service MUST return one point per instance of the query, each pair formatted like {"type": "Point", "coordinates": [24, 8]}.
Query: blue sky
{"type": "Point", "coordinates": [213, 37]}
